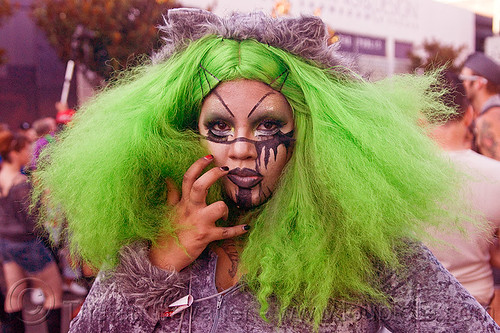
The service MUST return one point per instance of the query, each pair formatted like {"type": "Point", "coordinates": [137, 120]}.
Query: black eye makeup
{"type": "Point", "coordinates": [268, 127]}
{"type": "Point", "coordinates": [218, 130]}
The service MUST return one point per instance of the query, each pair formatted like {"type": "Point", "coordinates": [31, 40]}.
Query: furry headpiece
{"type": "Point", "coordinates": [305, 36]}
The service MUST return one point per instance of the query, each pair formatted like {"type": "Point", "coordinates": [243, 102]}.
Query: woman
{"type": "Point", "coordinates": [316, 185]}
{"type": "Point", "coordinates": [24, 256]}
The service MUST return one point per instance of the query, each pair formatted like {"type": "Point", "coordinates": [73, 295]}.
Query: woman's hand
{"type": "Point", "coordinates": [193, 219]}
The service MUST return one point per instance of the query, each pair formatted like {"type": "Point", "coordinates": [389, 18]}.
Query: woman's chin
{"type": "Point", "coordinates": [236, 202]}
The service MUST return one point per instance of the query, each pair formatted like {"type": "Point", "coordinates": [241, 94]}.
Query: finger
{"type": "Point", "coordinates": [212, 213]}
{"type": "Point", "coordinates": [200, 187]}
{"type": "Point", "coordinates": [173, 194]}
{"type": "Point", "coordinates": [194, 172]}
{"type": "Point", "coordinates": [230, 232]}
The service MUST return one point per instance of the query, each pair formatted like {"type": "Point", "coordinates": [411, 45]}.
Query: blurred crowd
{"type": "Point", "coordinates": [470, 138]}
{"type": "Point", "coordinates": [36, 262]}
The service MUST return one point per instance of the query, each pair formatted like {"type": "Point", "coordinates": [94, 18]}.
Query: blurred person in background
{"type": "Point", "coordinates": [64, 114]}
{"type": "Point", "coordinates": [44, 126]}
{"type": "Point", "coordinates": [481, 79]}
{"type": "Point", "coordinates": [47, 130]}
{"type": "Point", "coordinates": [28, 131]}
{"type": "Point", "coordinates": [467, 255]}
{"type": "Point", "coordinates": [48, 127]}
{"type": "Point", "coordinates": [23, 255]}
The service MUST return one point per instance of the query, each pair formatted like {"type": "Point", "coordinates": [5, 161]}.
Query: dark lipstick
{"type": "Point", "coordinates": [244, 178]}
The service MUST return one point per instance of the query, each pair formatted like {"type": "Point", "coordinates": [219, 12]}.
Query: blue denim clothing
{"type": "Point", "coordinates": [31, 255]}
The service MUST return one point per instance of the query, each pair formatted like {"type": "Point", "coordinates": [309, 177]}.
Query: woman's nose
{"type": "Point", "coordinates": [242, 149]}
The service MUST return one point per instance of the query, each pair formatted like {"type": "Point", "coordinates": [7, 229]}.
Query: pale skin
{"type": "Point", "coordinates": [239, 120]}
{"type": "Point", "coordinates": [13, 273]}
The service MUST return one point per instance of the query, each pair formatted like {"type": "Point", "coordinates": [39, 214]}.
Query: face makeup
{"type": "Point", "coordinates": [248, 126]}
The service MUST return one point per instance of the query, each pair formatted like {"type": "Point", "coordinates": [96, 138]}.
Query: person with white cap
{"type": "Point", "coordinates": [481, 78]}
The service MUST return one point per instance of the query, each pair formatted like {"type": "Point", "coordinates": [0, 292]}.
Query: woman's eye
{"type": "Point", "coordinates": [220, 126]}
{"type": "Point", "coordinates": [218, 130]}
{"type": "Point", "coordinates": [268, 127]}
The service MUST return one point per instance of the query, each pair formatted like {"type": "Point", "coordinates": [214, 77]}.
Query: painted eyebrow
{"type": "Point", "coordinates": [223, 103]}
{"type": "Point", "coordinates": [258, 103]}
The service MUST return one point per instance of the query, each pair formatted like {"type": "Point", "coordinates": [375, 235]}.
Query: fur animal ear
{"type": "Point", "coordinates": [191, 24]}
{"type": "Point", "coordinates": [310, 35]}
{"type": "Point", "coordinates": [184, 25]}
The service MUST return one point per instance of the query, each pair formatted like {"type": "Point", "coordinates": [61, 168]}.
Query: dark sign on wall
{"type": "Point", "coordinates": [361, 44]}
{"type": "Point", "coordinates": [402, 49]}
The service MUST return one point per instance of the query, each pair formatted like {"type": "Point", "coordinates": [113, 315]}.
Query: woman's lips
{"type": "Point", "coordinates": [245, 178]}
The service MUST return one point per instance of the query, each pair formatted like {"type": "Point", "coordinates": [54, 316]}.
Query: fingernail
{"type": "Point", "coordinates": [209, 157]}
{"type": "Point", "coordinates": [224, 168]}
{"type": "Point", "coordinates": [246, 227]}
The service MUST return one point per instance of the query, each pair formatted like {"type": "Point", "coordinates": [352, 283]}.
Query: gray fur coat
{"type": "Point", "coordinates": [136, 296]}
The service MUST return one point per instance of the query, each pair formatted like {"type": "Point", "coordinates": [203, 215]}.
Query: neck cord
{"type": "Point", "coordinates": [235, 287]}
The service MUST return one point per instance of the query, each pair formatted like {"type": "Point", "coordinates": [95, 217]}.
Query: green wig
{"type": "Point", "coordinates": [363, 178]}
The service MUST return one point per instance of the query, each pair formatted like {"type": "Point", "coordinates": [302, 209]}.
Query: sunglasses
{"type": "Point", "coordinates": [463, 77]}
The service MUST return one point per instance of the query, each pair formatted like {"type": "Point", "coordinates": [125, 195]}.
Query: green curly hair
{"type": "Point", "coordinates": [363, 178]}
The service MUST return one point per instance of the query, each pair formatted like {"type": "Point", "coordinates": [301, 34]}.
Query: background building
{"type": "Point", "coordinates": [31, 80]}
{"type": "Point", "coordinates": [377, 33]}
